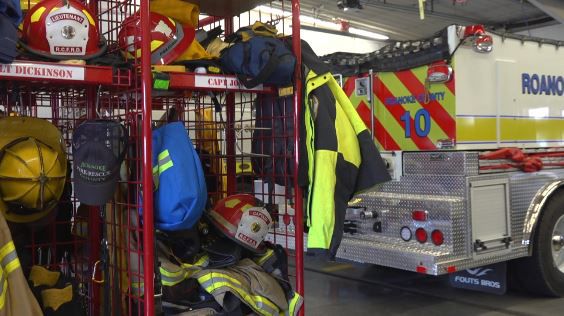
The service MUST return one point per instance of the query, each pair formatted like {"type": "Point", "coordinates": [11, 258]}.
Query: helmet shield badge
{"type": "Point", "coordinates": [253, 227]}
{"type": "Point", "coordinates": [67, 31]}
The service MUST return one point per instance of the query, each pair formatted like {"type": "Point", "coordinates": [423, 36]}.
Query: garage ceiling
{"type": "Point", "coordinates": [399, 19]}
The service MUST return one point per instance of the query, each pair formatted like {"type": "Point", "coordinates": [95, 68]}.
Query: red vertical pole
{"type": "Point", "coordinates": [147, 184]}
{"type": "Point", "coordinates": [298, 207]}
{"type": "Point", "coordinates": [230, 131]}
{"type": "Point", "coordinates": [94, 220]}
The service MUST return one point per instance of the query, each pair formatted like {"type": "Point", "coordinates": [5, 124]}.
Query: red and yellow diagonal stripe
{"type": "Point", "coordinates": [398, 93]}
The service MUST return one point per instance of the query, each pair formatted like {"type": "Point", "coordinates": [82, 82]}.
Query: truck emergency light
{"type": "Point", "coordinates": [437, 237]}
{"type": "Point", "coordinates": [405, 233]}
{"type": "Point", "coordinates": [421, 235]}
{"type": "Point", "coordinates": [439, 72]}
{"type": "Point", "coordinates": [481, 42]}
{"type": "Point", "coordinates": [419, 215]}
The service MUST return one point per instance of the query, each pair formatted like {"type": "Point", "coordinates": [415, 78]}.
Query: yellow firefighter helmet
{"type": "Point", "coordinates": [33, 168]}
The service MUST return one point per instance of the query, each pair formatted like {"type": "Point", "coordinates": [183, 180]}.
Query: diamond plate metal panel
{"type": "Point", "coordinates": [426, 184]}
{"type": "Point", "coordinates": [441, 163]}
{"type": "Point", "coordinates": [443, 197]}
{"type": "Point", "coordinates": [446, 200]}
{"type": "Point", "coordinates": [524, 188]}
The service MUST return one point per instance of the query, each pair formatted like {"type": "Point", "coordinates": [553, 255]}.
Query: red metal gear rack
{"type": "Point", "coordinates": [30, 88]}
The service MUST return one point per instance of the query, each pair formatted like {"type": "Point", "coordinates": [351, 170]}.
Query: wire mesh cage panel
{"type": "Point", "coordinates": [107, 251]}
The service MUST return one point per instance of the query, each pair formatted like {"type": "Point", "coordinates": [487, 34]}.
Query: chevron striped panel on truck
{"type": "Point", "coordinates": [405, 116]}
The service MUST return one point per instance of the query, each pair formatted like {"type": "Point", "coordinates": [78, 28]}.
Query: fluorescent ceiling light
{"type": "Point", "coordinates": [271, 10]}
{"type": "Point", "coordinates": [317, 22]}
{"type": "Point", "coordinates": [373, 35]}
{"type": "Point", "coordinates": [322, 23]}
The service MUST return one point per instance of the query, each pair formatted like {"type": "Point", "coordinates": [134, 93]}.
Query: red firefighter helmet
{"type": "Point", "coordinates": [169, 39]}
{"type": "Point", "coordinates": [240, 218]}
{"type": "Point", "coordinates": [62, 29]}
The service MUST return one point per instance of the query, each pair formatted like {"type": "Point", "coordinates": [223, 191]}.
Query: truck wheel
{"type": "Point", "coordinates": [543, 272]}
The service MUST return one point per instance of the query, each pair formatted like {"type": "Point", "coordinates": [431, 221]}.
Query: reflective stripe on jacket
{"type": "Point", "coordinates": [16, 299]}
{"type": "Point", "coordinates": [254, 287]}
{"type": "Point", "coordinates": [172, 274]}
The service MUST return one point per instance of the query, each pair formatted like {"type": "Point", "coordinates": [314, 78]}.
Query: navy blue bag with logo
{"type": "Point", "coordinates": [10, 17]}
{"type": "Point", "coordinates": [259, 60]}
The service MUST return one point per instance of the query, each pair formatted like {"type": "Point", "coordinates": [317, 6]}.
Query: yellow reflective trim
{"type": "Point", "coordinates": [89, 17]}
{"type": "Point", "coordinates": [210, 275]}
{"type": "Point", "coordinates": [246, 207]}
{"type": "Point", "coordinates": [6, 249]}
{"type": "Point", "coordinates": [155, 44]}
{"type": "Point", "coordinates": [262, 259]}
{"type": "Point", "coordinates": [249, 298]}
{"type": "Point", "coordinates": [478, 129]}
{"type": "Point", "coordinates": [172, 21]}
{"type": "Point", "coordinates": [4, 280]}
{"type": "Point", "coordinates": [171, 279]}
{"type": "Point", "coordinates": [475, 129]}
{"type": "Point", "coordinates": [155, 170]}
{"type": "Point", "coordinates": [171, 274]}
{"type": "Point", "coordinates": [295, 304]}
{"type": "Point", "coordinates": [397, 88]}
{"type": "Point", "coordinates": [137, 285]}
{"type": "Point", "coordinates": [165, 167]}
{"type": "Point", "coordinates": [448, 103]}
{"type": "Point", "coordinates": [204, 260]}
{"type": "Point", "coordinates": [170, 283]}
{"type": "Point", "coordinates": [163, 154]}
{"type": "Point", "coordinates": [54, 9]}
{"type": "Point", "coordinates": [13, 265]}
{"type": "Point", "coordinates": [232, 202]}
{"type": "Point", "coordinates": [36, 16]}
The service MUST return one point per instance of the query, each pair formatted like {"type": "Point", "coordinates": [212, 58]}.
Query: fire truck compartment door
{"type": "Point", "coordinates": [490, 215]}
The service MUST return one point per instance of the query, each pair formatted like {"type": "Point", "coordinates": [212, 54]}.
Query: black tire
{"type": "Point", "coordinates": [538, 273]}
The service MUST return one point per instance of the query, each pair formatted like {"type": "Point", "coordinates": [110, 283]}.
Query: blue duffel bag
{"type": "Point", "coordinates": [180, 194]}
{"type": "Point", "coordinates": [259, 60]}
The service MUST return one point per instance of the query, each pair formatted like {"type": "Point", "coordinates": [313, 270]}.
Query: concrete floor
{"type": "Point", "coordinates": [351, 289]}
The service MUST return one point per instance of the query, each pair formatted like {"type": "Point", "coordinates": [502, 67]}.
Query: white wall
{"type": "Point", "coordinates": [555, 32]}
{"type": "Point", "coordinates": [322, 43]}
{"type": "Point", "coordinates": [326, 43]}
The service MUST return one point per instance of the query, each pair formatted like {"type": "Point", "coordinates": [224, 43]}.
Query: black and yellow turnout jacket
{"type": "Point", "coordinates": [342, 158]}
